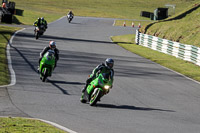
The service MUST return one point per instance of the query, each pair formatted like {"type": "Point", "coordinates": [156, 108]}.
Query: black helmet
{"type": "Point", "coordinates": [109, 63]}
{"type": "Point", "coordinates": [42, 18]}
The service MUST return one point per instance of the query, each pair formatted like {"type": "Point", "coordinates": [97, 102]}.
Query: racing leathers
{"type": "Point", "coordinates": [40, 22]}
{"type": "Point", "coordinates": [45, 50]}
{"type": "Point", "coordinates": [99, 69]}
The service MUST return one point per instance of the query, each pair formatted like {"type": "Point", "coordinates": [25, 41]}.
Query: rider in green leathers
{"type": "Point", "coordinates": [40, 21]}
{"type": "Point", "coordinates": [106, 67]}
{"type": "Point", "coordinates": [52, 46]}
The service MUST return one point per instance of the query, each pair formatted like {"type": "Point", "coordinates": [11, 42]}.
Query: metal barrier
{"type": "Point", "coordinates": [183, 51]}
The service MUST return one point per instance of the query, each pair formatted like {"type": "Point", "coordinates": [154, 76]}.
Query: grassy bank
{"type": "Point", "coordinates": [183, 28]}
{"type": "Point", "coordinates": [22, 125]}
{"type": "Point", "coordinates": [126, 9]}
{"type": "Point", "coordinates": [186, 68]}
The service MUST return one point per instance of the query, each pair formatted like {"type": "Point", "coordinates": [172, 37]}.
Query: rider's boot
{"type": "Point", "coordinates": [82, 99]}
{"type": "Point", "coordinates": [83, 90]}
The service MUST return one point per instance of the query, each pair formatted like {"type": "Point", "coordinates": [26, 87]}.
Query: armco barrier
{"type": "Point", "coordinates": [186, 52]}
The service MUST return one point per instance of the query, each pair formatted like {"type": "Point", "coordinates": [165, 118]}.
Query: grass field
{"type": "Point", "coordinates": [22, 125]}
{"type": "Point", "coordinates": [126, 9]}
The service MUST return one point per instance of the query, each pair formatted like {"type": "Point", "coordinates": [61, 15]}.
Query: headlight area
{"type": "Point", "coordinates": [107, 87]}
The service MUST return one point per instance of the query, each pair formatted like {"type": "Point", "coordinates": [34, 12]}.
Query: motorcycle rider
{"type": "Point", "coordinates": [4, 5]}
{"type": "Point", "coordinates": [43, 21]}
{"type": "Point", "coordinates": [52, 46]}
{"type": "Point", "coordinates": [39, 22]}
{"type": "Point", "coordinates": [106, 67]}
{"type": "Point", "coordinates": [70, 14]}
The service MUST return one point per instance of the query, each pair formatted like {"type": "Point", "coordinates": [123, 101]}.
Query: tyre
{"type": "Point", "coordinates": [37, 35]}
{"type": "Point", "coordinates": [96, 95]}
{"type": "Point", "coordinates": [45, 75]}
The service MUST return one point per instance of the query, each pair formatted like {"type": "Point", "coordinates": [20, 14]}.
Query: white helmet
{"type": "Point", "coordinates": [52, 44]}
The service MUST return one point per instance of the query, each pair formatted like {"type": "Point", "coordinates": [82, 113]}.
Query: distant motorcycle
{"type": "Point", "coordinates": [47, 65]}
{"type": "Point", "coordinates": [70, 17]}
{"type": "Point", "coordinates": [39, 31]}
{"type": "Point", "coordinates": [97, 89]}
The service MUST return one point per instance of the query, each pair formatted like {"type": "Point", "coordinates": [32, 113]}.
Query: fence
{"type": "Point", "coordinates": [186, 52]}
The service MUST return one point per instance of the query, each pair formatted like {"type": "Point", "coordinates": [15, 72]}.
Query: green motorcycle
{"type": "Point", "coordinates": [47, 65]}
{"type": "Point", "coordinates": [100, 86]}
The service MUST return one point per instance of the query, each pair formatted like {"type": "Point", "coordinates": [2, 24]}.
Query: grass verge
{"type": "Point", "coordinates": [5, 35]}
{"type": "Point", "coordinates": [186, 68]}
{"type": "Point", "coordinates": [23, 125]}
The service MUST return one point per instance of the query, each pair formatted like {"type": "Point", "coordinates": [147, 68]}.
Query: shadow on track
{"type": "Point", "coordinates": [60, 88]}
{"type": "Point", "coordinates": [63, 38]}
{"type": "Point", "coordinates": [129, 107]}
{"type": "Point", "coordinates": [55, 83]}
{"type": "Point", "coordinates": [64, 82]}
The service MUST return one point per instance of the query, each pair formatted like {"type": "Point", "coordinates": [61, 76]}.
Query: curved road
{"type": "Point", "coordinates": [146, 97]}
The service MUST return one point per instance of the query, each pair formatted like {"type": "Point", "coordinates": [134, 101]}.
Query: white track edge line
{"type": "Point", "coordinates": [11, 71]}
{"type": "Point", "coordinates": [13, 77]}
{"type": "Point", "coordinates": [57, 125]}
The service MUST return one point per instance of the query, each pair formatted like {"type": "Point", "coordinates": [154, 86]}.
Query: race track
{"type": "Point", "coordinates": [145, 98]}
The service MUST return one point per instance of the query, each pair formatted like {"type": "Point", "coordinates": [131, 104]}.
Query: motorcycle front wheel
{"type": "Point", "coordinates": [96, 95]}
{"type": "Point", "coordinates": [45, 75]}
{"type": "Point", "coordinates": [37, 35]}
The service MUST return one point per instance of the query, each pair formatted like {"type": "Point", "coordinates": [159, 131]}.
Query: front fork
{"type": "Point", "coordinates": [87, 96]}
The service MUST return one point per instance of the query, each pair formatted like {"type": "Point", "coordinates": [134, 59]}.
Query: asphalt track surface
{"type": "Point", "coordinates": [145, 98]}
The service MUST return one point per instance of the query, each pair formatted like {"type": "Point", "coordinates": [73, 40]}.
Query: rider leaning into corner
{"type": "Point", "coordinates": [106, 67]}
{"type": "Point", "coordinates": [39, 22]}
{"type": "Point", "coordinates": [52, 46]}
